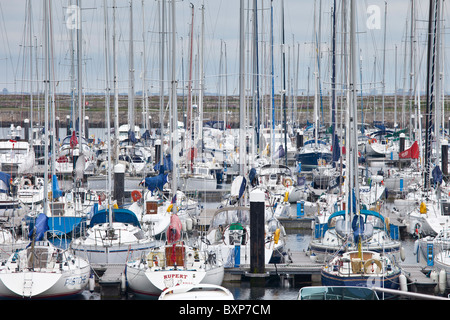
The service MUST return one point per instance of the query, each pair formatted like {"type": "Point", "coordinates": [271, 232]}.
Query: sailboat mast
{"type": "Point", "coordinates": [384, 62]}
{"type": "Point", "coordinates": [202, 79]}
{"type": "Point", "coordinates": [272, 142]}
{"type": "Point", "coordinates": [431, 72]}
{"type": "Point", "coordinates": [283, 91]}
{"type": "Point", "coordinates": [188, 137]}
{"type": "Point", "coordinates": [46, 90]}
{"type": "Point", "coordinates": [131, 73]}
{"type": "Point", "coordinates": [353, 146]}
{"type": "Point", "coordinates": [175, 145]}
{"type": "Point", "coordinates": [116, 87]}
{"type": "Point", "coordinates": [162, 47]}
{"type": "Point", "coordinates": [79, 76]}
{"type": "Point", "coordinates": [242, 145]}
{"type": "Point", "coordinates": [107, 103]}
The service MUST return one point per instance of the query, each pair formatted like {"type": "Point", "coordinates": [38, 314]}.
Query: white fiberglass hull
{"type": "Point", "coordinates": [42, 285]}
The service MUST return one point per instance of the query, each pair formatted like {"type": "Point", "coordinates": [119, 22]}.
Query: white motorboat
{"type": "Point", "coordinates": [200, 177]}
{"type": "Point", "coordinates": [200, 291]}
{"type": "Point", "coordinates": [30, 189]}
{"type": "Point", "coordinates": [13, 151]}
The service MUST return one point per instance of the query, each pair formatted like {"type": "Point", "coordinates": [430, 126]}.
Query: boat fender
{"type": "Point", "coordinates": [387, 221]}
{"type": "Point", "coordinates": [423, 208]}
{"type": "Point", "coordinates": [286, 196]}
{"type": "Point", "coordinates": [123, 282]}
{"type": "Point", "coordinates": [403, 283]}
{"type": "Point", "coordinates": [136, 195]}
{"type": "Point", "coordinates": [434, 276]}
{"type": "Point", "coordinates": [189, 224]}
{"type": "Point", "coordinates": [91, 283]}
{"type": "Point", "coordinates": [276, 236]}
{"type": "Point", "coordinates": [402, 253]}
{"type": "Point", "coordinates": [442, 281]}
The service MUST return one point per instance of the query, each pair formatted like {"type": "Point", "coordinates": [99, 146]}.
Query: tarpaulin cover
{"type": "Point", "coordinates": [437, 175]}
{"type": "Point", "coordinates": [56, 192]}
{"type": "Point", "coordinates": [411, 153]}
{"type": "Point", "coordinates": [40, 227]}
{"type": "Point", "coordinates": [4, 182]}
{"type": "Point", "coordinates": [174, 230]}
{"type": "Point", "coordinates": [167, 165]}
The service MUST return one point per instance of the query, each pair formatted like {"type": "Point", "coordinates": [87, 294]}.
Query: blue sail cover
{"type": "Point", "coordinates": [132, 136]}
{"type": "Point", "coordinates": [40, 227]}
{"type": "Point", "coordinates": [118, 215]}
{"type": "Point", "coordinates": [358, 227]}
{"type": "Point", "coordinates": [146, 135]}
{"type": "Point", "coordinates": [242, 189]}
{"type": "Point", "coordinates": [158, 182]}
{"type": "Point", "coordinates": [437, 175]}
{"type": "Point", "coordinates": [336, 149]}
{"type": "Point", "coordinates": [167, 165]}
{"type": "Point", "coordinates": [4, 182]}
{"type": "Point", "coordinates": [252, 177]}
{"type": "Point", "coordinates": [56, 192]}
{"type": "Point", "coordinates": [281, 152]}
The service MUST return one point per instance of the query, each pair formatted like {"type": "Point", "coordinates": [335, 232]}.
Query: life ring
{"type": "Point", "coordinates": [369, 263]}
{"type": "Point", "coordinates": [287, 182]}
{"type": "Point", "coordinates": [374, 140]}
{"type": "Point", "coordinates": [26, 183]}
{"type": "Point", "coordinates": [136, 195]}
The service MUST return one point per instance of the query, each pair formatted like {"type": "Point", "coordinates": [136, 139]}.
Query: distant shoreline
{"type": "Point", "coordinates": [15, 108]}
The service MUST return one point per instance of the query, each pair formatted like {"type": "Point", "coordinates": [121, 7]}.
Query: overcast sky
{"type": "Point", "coordinates": [221, 28]}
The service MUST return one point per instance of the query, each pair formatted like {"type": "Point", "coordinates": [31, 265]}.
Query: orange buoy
{"type": "Point", "coordinates": [136, 195]}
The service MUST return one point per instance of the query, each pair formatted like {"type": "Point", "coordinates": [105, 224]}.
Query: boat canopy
{"type": "Point", "coordinates": [118, 215]}
{"type": "Point", "coordinates": [363, 212]}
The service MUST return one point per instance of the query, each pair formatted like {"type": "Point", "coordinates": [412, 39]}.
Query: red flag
{"type": "Point", "coordinates": [411, 153]}
{"type": "Point", "coordinates": [73, 140]}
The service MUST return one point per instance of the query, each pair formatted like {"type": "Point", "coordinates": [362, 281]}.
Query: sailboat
{"type": "Point", "coordinates": [356, 266]}
{"type": "Point", "coordinates": [351, 228]}
{"type": "Point", "coordinates": [114, 235]}
{"type": "Point", "coordinates": [172, 264]}
{"type": "Point", "coordinates": [361, 268]}
{"type": "Point", "coordinates": [429, 218]}
{"type": "Point", "coordinates": [315, 151]}
{"type": "Point", "coordinates": [230, 228]}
